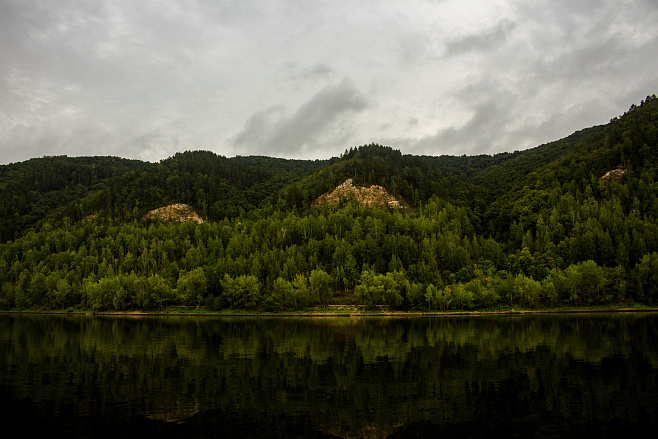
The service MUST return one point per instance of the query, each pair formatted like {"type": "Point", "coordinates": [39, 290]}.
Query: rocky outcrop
{"type": "Point", "coordinates": [175, 212]}
{"type": "Point", "coordinates": [614, 175]}
{"type": "Point", "coordinates": [366, 196]}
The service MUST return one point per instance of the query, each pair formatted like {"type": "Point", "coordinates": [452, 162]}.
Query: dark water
{"type": "Point", "coordinates": [539, 376]}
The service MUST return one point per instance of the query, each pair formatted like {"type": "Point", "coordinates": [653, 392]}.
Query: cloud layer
{"type": "Point", "coordinates": [322, 119]}
{"type": "Point", "coordinates": [300, 79]}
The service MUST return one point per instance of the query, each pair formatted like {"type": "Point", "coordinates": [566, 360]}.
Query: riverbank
{"type": "Point", "coordinates": [344, 312]}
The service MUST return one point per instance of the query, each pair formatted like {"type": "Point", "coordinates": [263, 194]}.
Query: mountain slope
{"type": "Point", "coordinates": [540, 227]}
{"type": "Point", "coordinates": [33, 189]}
{"type": "Point", "coordinates": [629, 142]}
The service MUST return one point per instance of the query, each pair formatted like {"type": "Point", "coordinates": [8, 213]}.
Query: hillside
{"type": "Point", "coordinates": [33, 189]}
{"type": "Point", "coordinates": [571, 222]}
{"type": "Point", "coordinates": [54, 188]}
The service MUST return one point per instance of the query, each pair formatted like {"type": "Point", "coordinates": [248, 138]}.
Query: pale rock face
{"type": "Point", "coordinates": [614, 175]}
{"type": "Point", "coordinates": [367, 196]}
{"type": "Point", "coordinates": [175, 212]}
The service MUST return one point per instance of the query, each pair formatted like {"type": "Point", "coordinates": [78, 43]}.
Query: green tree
{"type": "Point", "coordinates": [370, 291]}
{"type": "Point", "coordinates": [528, 290]}
{"type": "Point", "coordinates": [62, 294]}
{"type": "Point", "coordinates": [320, 286]}
{"type": "Point", "coordinates": [101, 294]}
{"type": "Point", "coordinates": [461, 295]}
{"type": "Point", "coordinates": [7, 296]}
{"type": "Point", "coordinates": [394, 282]}
{"type": "Point", "coordinates": [161, 294]}
{"type": "Point", "coordinates": [284, 293]}
{"type": "Point", "coordinates": [646, 276]}
{"type": "Point", "coordinates": [242, 292]}
{"type": "Point", "coordinates": [302, 296]}
{"type": "Point", "coordinates": [593, 281]}
{"type": "Point", "coordinates": [192, 286]}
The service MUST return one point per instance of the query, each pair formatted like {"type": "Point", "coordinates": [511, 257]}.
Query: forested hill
{"type": "Point", "coordinates": [31, 190]}
{"type": "Point", "coordinates": [569, 222]}
{"type": "Point", "coordinates": [55, 188]}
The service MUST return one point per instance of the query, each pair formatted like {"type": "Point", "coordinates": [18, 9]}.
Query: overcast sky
{"type": "Point", "coordinates": [308, 79]}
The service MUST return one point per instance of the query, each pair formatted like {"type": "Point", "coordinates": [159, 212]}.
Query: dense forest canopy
{"type": "Point", "coordinates": [570, 222]}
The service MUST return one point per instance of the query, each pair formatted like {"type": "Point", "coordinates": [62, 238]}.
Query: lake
{"type": "Point", "coordinates": [586, 375]}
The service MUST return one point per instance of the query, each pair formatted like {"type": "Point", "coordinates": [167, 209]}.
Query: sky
{"type": "Point", "coordinates": [309, 79]}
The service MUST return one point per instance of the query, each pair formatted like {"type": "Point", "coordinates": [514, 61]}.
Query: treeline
{"type": "Point", "coordinates": [409, 260]}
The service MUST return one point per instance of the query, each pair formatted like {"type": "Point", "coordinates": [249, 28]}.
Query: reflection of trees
{"type": "Point", "coordinates": [351, 376]}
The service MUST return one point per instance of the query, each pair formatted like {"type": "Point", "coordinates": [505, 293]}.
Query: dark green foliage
{"type": "Point", "coordinates": [528, 228]}
{"type": "Point", "coordinates": [31, 190]}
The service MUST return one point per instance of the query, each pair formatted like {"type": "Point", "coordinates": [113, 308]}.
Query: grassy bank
{"type": "Point", "coordinates": [351, 311]}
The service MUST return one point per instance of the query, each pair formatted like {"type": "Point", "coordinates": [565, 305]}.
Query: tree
{"type": "Point", "coordinates": [242, 292]}
{"type": "Point", "coordinates": [416, 295]}
{"type": "Point", "coordinates": [320, 286]}
{"type": "Point", "coordinates": [284, 293]}
{"type": "Point", "coordinates": [159, 291]}
{"type": "Point", "coordinates": [430, 296]}
{"type": "Point", "coordinates": [370, 291]}
{"type": "Point", "coordinates": [7, 296]}
{"type": "Point", "coordinates": [528, 290]}
{"type": "Point", "coordinates": [593, 280]}
{"type": "Point", "coordinates": [302, 297]}
{"type": "Point", "coordinates": [646, 275]}
{"type": "Point", "coordinates": [394, 283]}
{"type": "Point", "coordinates": [101, 294]}
{"type": "Point", "coordinates": [443, 298]}
{"type": "Point", "coordinates": [573, 281]}
{"type": "Point", "coordinates": [461, 295]}
{"type": "Point", "coordinates": [61, 295]}
{"type": "Point", "coordinates": [191, 287]}
{"type": "Point", "coordinates": [36, 289]}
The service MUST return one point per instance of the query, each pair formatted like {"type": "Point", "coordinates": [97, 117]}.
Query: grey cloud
{"type": "Point", "coordinates": [144, 79]}
{"type": "Point", "coordinates": [480, 42]}
{"type": "Point", "coordinates": [260, 127]}
{"type": "Point", "coordinates": [414, 47]}
{"type": "Point", "coordinates": [72, 136]}
{"type": "Point", "coordinates": [318, 71]}
{"type": "Point", "coordinates": [80, 76]}
{"type": "Point", "coordinates": [475, 136]}
{"type": "Point", "coordinates": [650, 3]}
{"type": "Point", "coordinates": [596, 58]}
{"type": "Point", "coordinates": [545, 75]}
{"type": "Point", "coordinates": [504, 119]}
{"type": "Point", "coordinates": [272, 131]}
{"type": "Point", "coordinates": [596, 52]}
{"type": "Point", "coordinates": [605, 49]}
{"type": "Point", "coordinates": [56, 137]}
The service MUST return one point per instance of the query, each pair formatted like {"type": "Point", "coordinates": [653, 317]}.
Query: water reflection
{"type": "Point", "coordinates": [370, 377]}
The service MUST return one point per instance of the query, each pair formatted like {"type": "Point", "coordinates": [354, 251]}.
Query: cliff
{"type": "Point", "coordinates": [366, 196]}
{"type": "Point", "coordinates": [175, 212]}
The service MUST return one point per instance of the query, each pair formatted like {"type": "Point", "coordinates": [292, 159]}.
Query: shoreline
{"type": "Point", "coordinates": [356, 314]}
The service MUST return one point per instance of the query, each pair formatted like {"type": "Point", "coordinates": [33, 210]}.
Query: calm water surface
{"type": "Point", "coordinates": [536, 376]}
